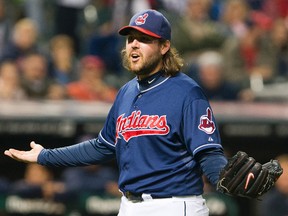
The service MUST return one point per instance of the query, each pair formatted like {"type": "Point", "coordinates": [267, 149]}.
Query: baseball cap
{"type": "Point", "coordinates": [150, 22]}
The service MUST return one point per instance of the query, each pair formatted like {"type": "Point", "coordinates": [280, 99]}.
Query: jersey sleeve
{"type": "Point", "coordinates": [199, 127]}
{"type": "Point", "coordinates": [107, 135]}
{"type": "Point", "coordinates": [85, 153]}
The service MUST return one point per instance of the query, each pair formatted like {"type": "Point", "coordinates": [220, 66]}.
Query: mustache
{"type": "Point", "coordinates": [125, 56]}
{"type": "Point", "coordinates": [125, 53]}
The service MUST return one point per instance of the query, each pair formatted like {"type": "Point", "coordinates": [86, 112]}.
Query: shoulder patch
{"type": "Point", "coordinates": [206, 123]}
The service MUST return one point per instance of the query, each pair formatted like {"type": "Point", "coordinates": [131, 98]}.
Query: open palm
{"type": "Point", "coordinates": [25, 156]}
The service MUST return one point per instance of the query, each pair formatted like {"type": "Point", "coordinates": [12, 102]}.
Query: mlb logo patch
{"type": "Point", "coordinates": [141, 19]}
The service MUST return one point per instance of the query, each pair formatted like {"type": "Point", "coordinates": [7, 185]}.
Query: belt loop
{"type": "Point", "coordinates": [146, 196]}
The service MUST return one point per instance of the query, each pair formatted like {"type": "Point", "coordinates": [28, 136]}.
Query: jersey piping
{"type": "Point", "coordinates": [108, 143]}
{"type": "Point", "coordinates": [206, 145]}
{"type": "Point", "coordinates": [152, 87]}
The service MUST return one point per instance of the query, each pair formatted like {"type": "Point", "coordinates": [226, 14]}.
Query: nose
{"type": "Point", "coordinates": [135, 43]}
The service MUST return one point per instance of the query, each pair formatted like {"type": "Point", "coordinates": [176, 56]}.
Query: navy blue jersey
{"type": "Point", "coordinates": [155, 128]}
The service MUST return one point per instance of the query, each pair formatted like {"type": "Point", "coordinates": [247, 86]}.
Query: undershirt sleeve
{"type": "Point", "coordinates": [82, 154]}
{"type": "Point", "coordinates": [211, 162]}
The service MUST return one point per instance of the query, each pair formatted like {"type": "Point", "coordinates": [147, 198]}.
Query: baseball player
{"type": "Point", "coordinates": [161, 129]}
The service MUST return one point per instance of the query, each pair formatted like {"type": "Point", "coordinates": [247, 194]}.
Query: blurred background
{"type": "Point", "coordinates": [60, 69]}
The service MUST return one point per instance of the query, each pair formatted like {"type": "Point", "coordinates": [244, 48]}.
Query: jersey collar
{"type": "Point", "coordinates": [152, 81]}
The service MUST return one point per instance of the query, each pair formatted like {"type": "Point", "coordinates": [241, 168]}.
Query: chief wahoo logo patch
{"type": "Point", "coordinates": [141, 19]}
{"type": "Point", "coordinates": [206, 123]}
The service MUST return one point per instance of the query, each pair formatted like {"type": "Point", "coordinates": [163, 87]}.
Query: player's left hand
{"type": "Point", "coordinates": [243, 176]}
{"type": "Point", "coordinates": [30, 156]}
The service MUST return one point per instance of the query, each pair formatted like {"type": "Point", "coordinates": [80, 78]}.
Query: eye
{"type": "Point", "coordinates": [130, 39]}
{"type": "Point", "coordinates": [142, 39]}
{"type": "Point", "coordinates": [145, 39]}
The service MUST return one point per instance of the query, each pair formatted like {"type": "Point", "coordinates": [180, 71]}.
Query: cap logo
{"type": "Point", "coordinates": [141, 19]}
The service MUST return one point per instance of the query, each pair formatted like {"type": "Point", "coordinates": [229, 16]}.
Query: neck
{"type": "Point", "coordinates": [151, 81]}
{"type": "Point", "coordinates": [145, 73]}
{"type": "Point", "coordinates": [145, 76]}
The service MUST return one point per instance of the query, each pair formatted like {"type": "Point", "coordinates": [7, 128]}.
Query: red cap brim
{"type": "Point", "coordinates": [126, 29]}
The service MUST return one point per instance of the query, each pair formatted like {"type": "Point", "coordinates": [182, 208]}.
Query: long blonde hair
{"type": "Point", "coordinates": [172, 62]}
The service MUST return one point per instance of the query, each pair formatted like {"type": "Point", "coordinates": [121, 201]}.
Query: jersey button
{"type": "Point", "coordinates": [140, 95]}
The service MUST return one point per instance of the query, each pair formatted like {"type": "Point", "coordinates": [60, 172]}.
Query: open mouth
{"type": "Point", "coordinates": [135, 57]}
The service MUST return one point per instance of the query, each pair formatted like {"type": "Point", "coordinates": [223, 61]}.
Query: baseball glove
{"type": "Point", "coordinates": [243, 176]}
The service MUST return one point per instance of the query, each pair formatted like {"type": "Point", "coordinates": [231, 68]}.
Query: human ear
{"type": "Point", "coordinates": [165, 46]}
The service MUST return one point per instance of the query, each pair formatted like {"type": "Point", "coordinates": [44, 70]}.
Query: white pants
{"type": "Point", "coordinates": [175, 206]}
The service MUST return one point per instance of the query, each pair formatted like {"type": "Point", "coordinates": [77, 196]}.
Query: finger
{"type": "Point", "coordinates": [16, 152]}
{"type": "Point", "coordinates": [17, 155]}
{"type": "Point", "coordinates": [11, 152]}
{"type": "Point", "coordinates": [7, 153]}
{"type": "Point", "coordinates": [32, 144]}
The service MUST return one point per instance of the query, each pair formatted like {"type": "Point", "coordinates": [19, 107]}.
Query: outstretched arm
{"type": "Point", "coordinates": [81, 154]}
{"type": "Point", "coordinates": [25, 156]}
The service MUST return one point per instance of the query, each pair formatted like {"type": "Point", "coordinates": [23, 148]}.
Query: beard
{"type": "Point", "coordinates": [146, 67]}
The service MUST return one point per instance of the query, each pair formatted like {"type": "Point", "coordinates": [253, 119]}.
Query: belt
{"type": "Point", "coordinates": [139, 197]}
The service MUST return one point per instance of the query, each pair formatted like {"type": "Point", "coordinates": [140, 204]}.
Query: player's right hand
{"type": "Point", "coordinates": [25, 156]}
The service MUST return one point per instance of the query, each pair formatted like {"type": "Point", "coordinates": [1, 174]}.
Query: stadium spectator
{"type": "Point", "coordinates": [24, 40]}
{"type": "Point", "coordinates": [10, 83]}
{"type": "Point", "coordinates": [194, 30]}
{"type": "Point", "coordinates": [91, 85]}
{"type": "Point", "coordinates": [234, 16]}
{"type": "Point", "coordinates": [278, 40]}
{"type": "Point", "coordinates": [103, 40]}
{"type": "Point", "coordinates": [63, 61]}
{"type": "Point", "coordinates": [210, 78]}
{"type": "Point", "coordinates": [105, 43]}
{"type": "Point", "coordinates": [248, 57]}
{"type": "Point", "coordinates": [35, 80]}
{"type": "Point", "coordinates": [37, 182]}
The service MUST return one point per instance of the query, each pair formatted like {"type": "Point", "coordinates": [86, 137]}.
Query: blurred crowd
{"type": "Point", "coordinates": [61, 49]}
{"type": "Point", "coordinates": [70, 50]}
{"type": "Point", "coordinates": [41, 192]}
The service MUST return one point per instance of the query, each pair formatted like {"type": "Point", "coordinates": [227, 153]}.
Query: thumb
{"type": "Point", "coordinates": [33, 144]}
{"type": "Point", "coordinates": [35, 147]}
